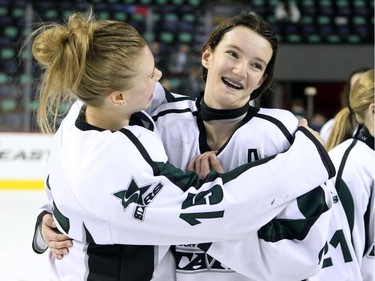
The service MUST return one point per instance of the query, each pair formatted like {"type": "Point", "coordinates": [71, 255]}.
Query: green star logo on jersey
{"type": "Point", "coordinates": [141, 196]}
{"type": "Point", "coordinates": [132, 195]}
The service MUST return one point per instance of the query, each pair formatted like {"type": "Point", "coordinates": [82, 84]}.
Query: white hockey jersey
{"type": "Point", "coordinates": [111, 191]}
{"type": "Point", "coordinates": [301, 228]}
{"type": "Point", "coordinates": [350, 252]}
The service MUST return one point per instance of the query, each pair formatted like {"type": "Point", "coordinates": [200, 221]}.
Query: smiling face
{"type": "Point", "coordinates": [235, 68]}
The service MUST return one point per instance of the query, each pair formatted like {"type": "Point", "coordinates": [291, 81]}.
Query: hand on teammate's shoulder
{"type": "Point", "coordinates": [303, 123]}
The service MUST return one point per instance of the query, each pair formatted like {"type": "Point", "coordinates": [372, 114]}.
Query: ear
{"type": "Point", "coordinates": [371, 109]}
{"type": "Point", "coordinates": [262, 80]}
{"type": "Point", "coordinates": [117, 98]}
{"type": "Point", "coordinates": [206, 56]}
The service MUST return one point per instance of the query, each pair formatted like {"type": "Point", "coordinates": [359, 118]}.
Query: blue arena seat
{"type": "Point", "coordinates": [307, 30]}
{"type": "Point", "coordinates": [170, 21]}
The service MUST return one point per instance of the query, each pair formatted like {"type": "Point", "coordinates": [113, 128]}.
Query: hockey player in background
{"type": "Point", "coordinates": [349, 255]}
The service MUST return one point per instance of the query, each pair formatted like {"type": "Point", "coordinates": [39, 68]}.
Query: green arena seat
{"type": "Point", "coordinates": [294, 38]}
{"type": "Point", "coordinates": [185, 37]}
{"type": "Point", "coordinates": [120, 16]}
{"type": "Point", "coordinates": [7, 53]}
{"type": "Point", "coordinates": [4, 78]}
{"type": "Point", "coordinates": [166, 37]}
{"type": "Point", "coordinates": [314, 38]}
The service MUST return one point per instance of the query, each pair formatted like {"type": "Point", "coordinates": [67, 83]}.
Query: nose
{"type": "Point", "coordinates": [240, 69]}
{"type": "Point", "coordinates": [158, 74]}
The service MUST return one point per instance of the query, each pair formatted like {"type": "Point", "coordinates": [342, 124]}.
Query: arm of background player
{"type": "Point", "coordinates": [368, 261]}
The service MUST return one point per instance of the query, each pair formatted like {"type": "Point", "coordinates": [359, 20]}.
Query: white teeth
{"type": "Point", "coordinates": [234, 84]}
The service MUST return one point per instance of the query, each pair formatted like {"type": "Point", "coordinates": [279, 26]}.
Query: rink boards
{"type": "Point", "coordinates": [23, 159]}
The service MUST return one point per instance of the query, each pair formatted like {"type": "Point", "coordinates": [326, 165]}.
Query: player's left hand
{"type": "Point", "coordinates": [203, 164]}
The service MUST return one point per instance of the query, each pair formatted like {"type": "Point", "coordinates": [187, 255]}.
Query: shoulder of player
{"type": "Point", "coordinates": [177, 109]}
{"type": "Point", "coordinates": [131, 142]}
{"type": "Point", "coordinates": [280, 114]}
{"type": "Point", "coordinates": [355, 158]}
{"type": "Point", "coordinates": [106, 140]}
{"type": "Point", "coordinates": [358, 151]}
{"type": "Point", "coordinates": [283, 119]}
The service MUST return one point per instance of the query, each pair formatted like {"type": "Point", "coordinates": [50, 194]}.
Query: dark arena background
{"type": "Point", "coordinates": [321, 43]}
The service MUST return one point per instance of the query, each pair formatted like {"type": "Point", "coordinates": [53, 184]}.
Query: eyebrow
{"type": "Point", "coordinates": [240, 50]}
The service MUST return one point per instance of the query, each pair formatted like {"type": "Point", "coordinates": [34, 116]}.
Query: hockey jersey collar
{"type": "Point", "coordinates": [138, 118]}
{"type": "Point", "coordinates": [203, 146]}
{"type": "Point", "coordinates": [364, 135]}
{"type": "Point", "coordinates": [209, 113]}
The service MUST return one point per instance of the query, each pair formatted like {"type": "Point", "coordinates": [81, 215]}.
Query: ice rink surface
{"type": "Point", "coordinates": [18, 212]}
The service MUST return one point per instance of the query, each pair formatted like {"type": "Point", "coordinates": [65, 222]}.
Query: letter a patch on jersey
{"type": "Point", "coordinates": [141, 196]}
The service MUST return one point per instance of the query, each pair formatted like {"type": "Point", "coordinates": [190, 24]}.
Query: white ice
{"type": "Point", "coordinates": [18, 212]}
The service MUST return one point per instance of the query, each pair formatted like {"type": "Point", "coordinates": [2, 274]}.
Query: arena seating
{"type": "Point", "coordinates": [172, 22]}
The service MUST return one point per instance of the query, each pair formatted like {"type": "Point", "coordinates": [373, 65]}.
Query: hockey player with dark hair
{"type": "Point", "coordinates": [238, 61]}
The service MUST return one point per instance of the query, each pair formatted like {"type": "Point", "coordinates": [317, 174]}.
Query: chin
{"type": "Point", "coordinates": [146, 106]}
